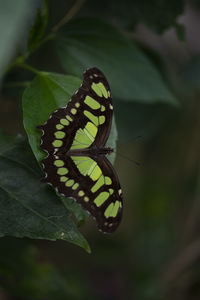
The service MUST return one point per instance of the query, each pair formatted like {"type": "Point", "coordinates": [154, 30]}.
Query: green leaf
{"type": "Point", "coordinates": [80, 214]}
{"type": "Point", "coordinates": [38, 29]}
{"type": "Point", "coordinates": [88, 42]}
{"type": "Point", "coordinates": [13, 23]}
{"type": "Point", "coordinates": [29, 208]}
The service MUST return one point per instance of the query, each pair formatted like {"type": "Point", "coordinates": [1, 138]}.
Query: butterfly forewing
{"type": "Point", "coordinates": [73, 136]}
{"type": "Point", "coordinates": [99, 91]}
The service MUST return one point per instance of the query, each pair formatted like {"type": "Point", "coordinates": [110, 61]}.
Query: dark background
{"type": "Point", "coordinates": [155, 252]}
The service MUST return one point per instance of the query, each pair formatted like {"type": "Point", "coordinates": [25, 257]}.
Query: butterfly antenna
{"type": "Point", "coordinates": [131, 140]}
{"type": "Point", "coordinates": [131, 160]}
{"type": "Point", "coordinates": [126, 157]}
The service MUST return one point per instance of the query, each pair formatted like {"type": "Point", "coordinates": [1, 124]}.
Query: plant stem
{"type": "Point", "coordinates": [19, 61]}
{"type": "Point", "coordinates": [28, 67]}
{"type": "Point", "coordinates": [69, 15]}
{"type": "Point", "coordinates": [16, 84]}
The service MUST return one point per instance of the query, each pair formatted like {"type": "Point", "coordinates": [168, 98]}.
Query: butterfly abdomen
{"type": "Point", "coordinates": [90, 152]}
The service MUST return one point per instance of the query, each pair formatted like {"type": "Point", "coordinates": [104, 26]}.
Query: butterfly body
{"type": "Point", "coordinates": [90, 152]}
{"type": "Point", "coordinates": [76, 165]}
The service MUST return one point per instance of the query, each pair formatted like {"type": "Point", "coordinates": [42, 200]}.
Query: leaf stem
{"type": "Point", "coordinates": [28, 67]}
{"type": "Point", "coordinates": [16, 84]}
{"type": "Point", "coordinates": [69, 15]}
{"type": "Point", "coordinates": [17, 61]}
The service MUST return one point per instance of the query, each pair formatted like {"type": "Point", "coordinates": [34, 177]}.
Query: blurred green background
{"type": "Point", "coordinates": [150, 53]}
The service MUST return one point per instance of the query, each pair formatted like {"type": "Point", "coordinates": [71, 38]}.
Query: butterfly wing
{"type": "Point", "coordinates": [92, 182]}
{"type": "Point", "coordinates": [90, 107]}
{"type": "Point", "coordinates": [99, 89]}
{"type": "Point", "coordinates": [84, 123]}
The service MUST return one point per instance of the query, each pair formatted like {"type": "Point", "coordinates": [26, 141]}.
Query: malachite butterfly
{"type": "Point", "coordinates": [76, 165]}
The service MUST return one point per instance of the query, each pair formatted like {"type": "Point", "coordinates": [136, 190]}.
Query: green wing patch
{"type": "Point", "coordinates": [76, 165]}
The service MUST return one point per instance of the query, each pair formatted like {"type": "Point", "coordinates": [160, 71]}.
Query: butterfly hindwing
{"type": "Point", "coordinates": [73, 137]}
{"type": "Point", "coordinates": [92, 182]}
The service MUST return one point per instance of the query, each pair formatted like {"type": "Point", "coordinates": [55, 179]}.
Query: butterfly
{"type": "Point", "coordinates": [74, 137]}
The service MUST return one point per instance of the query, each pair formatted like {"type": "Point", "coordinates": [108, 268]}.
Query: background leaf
{"type": "Point", "coordinates": [13, 20]}
{"type": "Point", "coordinates": [156, 14]}
{"type": "Point", "coordinates": [85, 43]}
{"type": "Point", "coordinates": [29, 208]}
{"type": "Point", "coordinates": [38, 29]}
